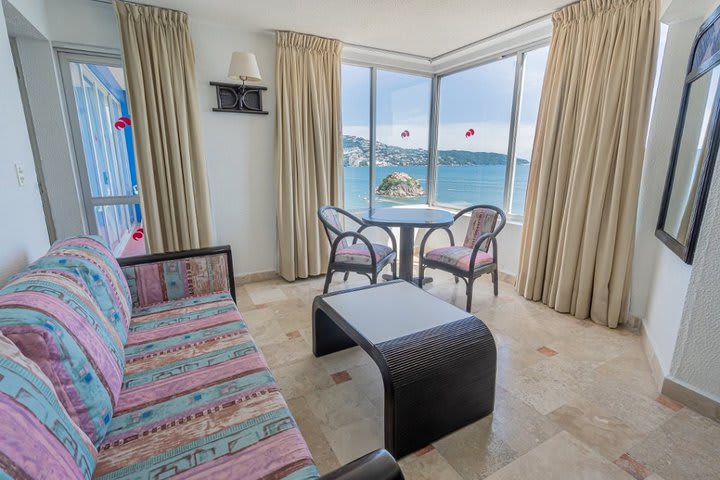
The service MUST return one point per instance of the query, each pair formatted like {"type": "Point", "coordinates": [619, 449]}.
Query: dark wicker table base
{"type": "Point", "coordinates": [436, 381]}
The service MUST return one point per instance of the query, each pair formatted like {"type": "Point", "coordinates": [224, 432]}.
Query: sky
{"type": "Point", "coordinates": [479, 98]}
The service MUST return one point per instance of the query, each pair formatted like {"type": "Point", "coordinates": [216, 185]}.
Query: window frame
{"type": "Point", "coordinates": [373, 121]}
{"type": "Point", "coordinates": [435, 98]}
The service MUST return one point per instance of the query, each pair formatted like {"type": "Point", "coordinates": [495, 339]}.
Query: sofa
{"type": "Point", "coordinates": [142, 368]}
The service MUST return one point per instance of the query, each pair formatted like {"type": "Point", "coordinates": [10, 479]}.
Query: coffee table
{"type": "Point", "coordinates": [437, 361]}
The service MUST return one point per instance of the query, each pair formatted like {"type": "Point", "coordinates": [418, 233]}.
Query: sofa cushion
{"type": "Point", "coordinates": [101, 272]}
{"type": "Point", "coordinates": [198, 400]}
{"type": "Point", "coordinates": [54, 321]}
{"type": "Point", "coordinates": [158, 282]}
{"type": "Point", "coordinates": [38, 438]}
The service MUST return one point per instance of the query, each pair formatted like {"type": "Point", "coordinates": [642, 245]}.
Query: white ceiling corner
{"type": "Point", "coordinates": [423, 28]}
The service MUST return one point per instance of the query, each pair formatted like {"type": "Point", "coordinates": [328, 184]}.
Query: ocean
{"type": "Point", "coordinates": [456, 185]}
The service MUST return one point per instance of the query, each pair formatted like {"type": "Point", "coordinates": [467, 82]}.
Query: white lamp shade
{"type": "Point", "coordinates": [243, 66]}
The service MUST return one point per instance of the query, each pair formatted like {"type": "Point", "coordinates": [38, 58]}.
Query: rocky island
{"type": "Point", "coordinates": [400, 185]}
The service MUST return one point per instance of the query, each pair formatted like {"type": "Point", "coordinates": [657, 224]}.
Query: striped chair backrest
{"type": "Point", "coordinates": [482, 221]}
{"type": "Point", "coordinates": [332, 223]}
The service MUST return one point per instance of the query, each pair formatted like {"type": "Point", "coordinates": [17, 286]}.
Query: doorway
{"type": "Point", "coordinates": [101, 128]}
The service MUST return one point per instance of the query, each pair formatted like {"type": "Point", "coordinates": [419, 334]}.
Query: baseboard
{"type": "Point", "coordinates": [702, 404]}
{"type": "Point", "coordinates": [507, 278]}
{"type": "Point", "coordinates": [255, 277]}
{"type": "Point", "coordinates": [655, 368]}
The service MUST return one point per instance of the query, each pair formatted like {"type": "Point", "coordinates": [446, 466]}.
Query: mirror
{"type": "Point", "coordinates": [695, 147]}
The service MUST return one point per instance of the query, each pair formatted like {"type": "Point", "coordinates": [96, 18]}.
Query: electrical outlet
{"type": "Point", "coordinates": [20, 172]}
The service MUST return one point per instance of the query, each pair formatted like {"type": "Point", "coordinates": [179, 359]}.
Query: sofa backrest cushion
{"type": "Point", "coordinates": [101, 272]}
{"type": "Point", "coordinates": [53, 319]}
{"type": "Point", "coordinates": [153, 283]}
{"type": "Point", "coordinates": [38, 438]}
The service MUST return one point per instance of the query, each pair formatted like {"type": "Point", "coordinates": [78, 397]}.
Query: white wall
{"type": "Point", "coordinates": [660, 278]}
{"type": "Point", "coordinates": [678, 303]}
{"type": "Point", "coordinates": [83, 23]}
{"type": "Point", "coordinates": [24, 236]}
{"type": "Point", "coordinates": [49, 121]}
{"type": "Point", "coordinates": [696, 361]}
{"type": "Point", "coordinates": [239, 148]}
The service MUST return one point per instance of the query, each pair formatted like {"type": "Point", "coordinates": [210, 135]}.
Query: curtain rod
{"type": "Point", "coordinates": [109, 2]}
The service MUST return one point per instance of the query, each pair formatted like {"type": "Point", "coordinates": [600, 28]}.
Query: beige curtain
{"type": "Point", "coordinates": [162, 91]}
{"type": "Point", "coordinates": [308, 148]}
{"type": "Point", "coordinates": [582, 198]}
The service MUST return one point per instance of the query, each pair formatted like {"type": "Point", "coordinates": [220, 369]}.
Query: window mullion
{"type": "Point", "coordinates": [512, 140]}
{"type": "Point", "coordinates": [373, 110]}
{"type": "Point", "coordinates": [432, 140]}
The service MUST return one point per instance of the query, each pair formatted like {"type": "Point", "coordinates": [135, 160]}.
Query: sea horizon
{"type": "Point", "coordinates": [457, 185]}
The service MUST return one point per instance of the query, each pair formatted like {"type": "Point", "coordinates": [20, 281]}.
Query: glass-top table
{"type": "Point", "coordinates": [408, 219]}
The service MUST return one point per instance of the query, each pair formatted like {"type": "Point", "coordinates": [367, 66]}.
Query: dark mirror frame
{"type": "Point", "coordinates": [702, 60]}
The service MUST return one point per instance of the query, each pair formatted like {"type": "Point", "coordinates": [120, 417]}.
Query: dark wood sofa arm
{"type": "Point", "coordinates": [197, 252]}
{"type": "Point", "coordinates": [377, 465]}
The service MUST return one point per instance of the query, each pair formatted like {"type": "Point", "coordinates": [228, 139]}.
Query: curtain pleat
{"type": "Point", "coordinates": [583, 188]}
{"type": "Point", "coordinates": [308, 148]}
{"type": "Point", "coordinates": [159, 64]}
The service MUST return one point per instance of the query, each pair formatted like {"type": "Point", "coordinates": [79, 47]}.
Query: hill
{"type": "Point", "coordinates": [357, 154]}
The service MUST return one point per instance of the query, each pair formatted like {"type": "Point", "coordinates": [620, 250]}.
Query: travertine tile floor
{"type": "Point", "coordinates": [574, 400]}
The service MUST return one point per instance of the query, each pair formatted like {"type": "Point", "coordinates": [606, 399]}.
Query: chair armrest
{"type": "Point", "coordinates": [393, 241]}
{"type": "Point", "coordinates": [215, 270]}
{"type": "Point", "coordinates": [430, 232]}
{"type": "Point", "coordinates": [480, 241]}
{"type": "Point", "coordinates": [357, 236]}
{"type": "Point", "coordinates": [377, 465]}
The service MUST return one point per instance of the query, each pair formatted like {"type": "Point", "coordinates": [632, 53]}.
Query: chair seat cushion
{"type": "Point", "coordinates": [459, 257]}
{"type": "Point", "coordinates": [358, 254]}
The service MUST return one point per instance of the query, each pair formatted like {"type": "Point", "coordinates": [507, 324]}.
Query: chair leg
{"type": "Point", "coordinates": [328, 279]}
{"type": "Point", "coordinates": [469, 292]}
{"type": "Point", "coordinates": [373, 280]}
{"type": "Point", "coordinates": [347, 275]}
{"type": "Point", "coordinates": [495, 282]}
{"type": "Point", "coordinates": [393, 267]}
{"type": "Point", "coordinates": [421, 275]}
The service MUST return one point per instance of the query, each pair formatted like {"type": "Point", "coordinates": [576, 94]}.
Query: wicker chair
{"type": "Point", "coordinates": [365, 257]}
{"type": "Point", "coordinates": [471, 259]}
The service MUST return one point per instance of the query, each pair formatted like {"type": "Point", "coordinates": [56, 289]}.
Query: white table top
{"type": "Point", "coordinates": [393, 310]}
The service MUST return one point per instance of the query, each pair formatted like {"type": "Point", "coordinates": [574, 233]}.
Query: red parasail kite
{"type": "Point", "coordinates": [405, 134]}
{"type": "Point", "coordinates": [122, 123]}
{"type": "Point", "coordinates": [470, 133]}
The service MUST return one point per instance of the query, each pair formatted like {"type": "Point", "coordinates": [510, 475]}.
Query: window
{"type": "Point", "coordinates": [401, 148]}
{"type": "Point", "coordinates": [102, 137]}
{"type": "Point", "coordinates": [486, 115]}
{"type": "Point", "coordinates": [356, 136]}
{"type": "Point", "coordinates": [399, 129]}
{"type": "Point", "coordinates": [533, 75]}
{"type": "Point", "coordinates": [475, 114]}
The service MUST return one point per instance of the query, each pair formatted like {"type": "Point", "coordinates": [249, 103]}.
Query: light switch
{"type": "Point", "coordinates": [20, 172]}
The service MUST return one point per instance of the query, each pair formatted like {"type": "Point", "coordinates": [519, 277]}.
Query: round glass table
{"type": "Point", "coordinates": [408, 219]}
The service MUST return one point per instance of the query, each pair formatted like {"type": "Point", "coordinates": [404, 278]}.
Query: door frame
{"type": "Point", "coordinates": [66, 56]}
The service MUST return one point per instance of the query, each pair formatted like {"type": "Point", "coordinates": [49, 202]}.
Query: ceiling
{"type": "Point", "coordinates": [421, 27]}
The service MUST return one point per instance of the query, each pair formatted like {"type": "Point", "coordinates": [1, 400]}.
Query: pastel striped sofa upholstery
{"type": "Point", "coordinates": [145, 370]}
